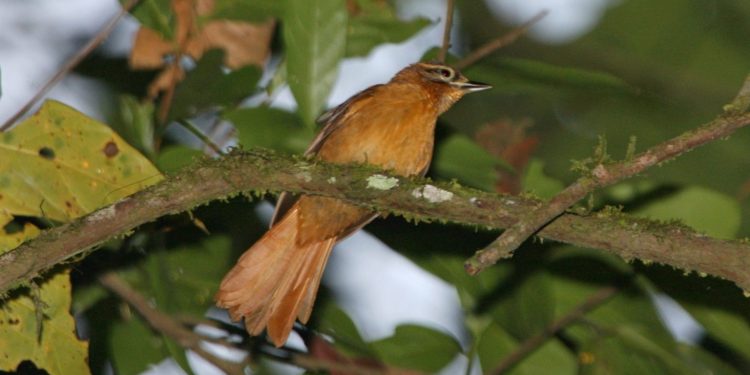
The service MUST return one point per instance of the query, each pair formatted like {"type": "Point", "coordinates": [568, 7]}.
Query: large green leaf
{"type": "Point", "coordinates": [60, 164]}
{"type": "Point", "coordinates": [178, 278]}
{"type": "Point", "coordinates": [706, 210]}
{"type": "Point", "coordinates": [528, 307]}
{"type": "Point", "coordinates": [623, 332]}
{"type": "Point", "coordinates": [458, 157]}
{"type": "Point", "coordinates": [495, 344]}
{"type": "Point", "coordinates": [173, 158]}
{"type": "Point", "coordinates": [135, 123]}
{"type": "Point", "coordinates": [270, 128]}
{"type": "Point", "coordinates": [208, 86]}
{"type": "Point", "coordinates": [184, 278]}
{"type": "Point", "coordinates": [417, 347]}
{"type": "Point", "coordinates": [334, 322]}
{"type": "Point", "coordinates": [134, 346]}
{"type": "Point", "coordinates": [718, 305]}
{"type": "Point", "coordinates": [514, 76]}
{"type": "Point", "coordinates": [373, 23]}
{"type": "Point", "coordinates": [537, 182]}
{"type": "Point", "coordinates": [314, 33]}
{"type": "Point", "coordinates": [629, 349]}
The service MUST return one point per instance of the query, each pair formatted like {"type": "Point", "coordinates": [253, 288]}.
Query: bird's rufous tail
{"type": "Point", "coordinates": [276, 280]}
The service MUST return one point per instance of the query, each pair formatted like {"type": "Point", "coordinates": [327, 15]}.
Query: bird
{"type": "Point", "coordinates": [389, 125]}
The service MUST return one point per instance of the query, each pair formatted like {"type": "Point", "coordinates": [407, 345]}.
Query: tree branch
{"type": "Point", "coordinates": [499, 42]}
{"type": "Point", "coordinates": [164, 323]}
{"type": "Point", "coordinates": [260, 171]}
{"type": "Point", "coordinates": [450, 7]}
{"type": "Point", "coordinates": [607, 174]}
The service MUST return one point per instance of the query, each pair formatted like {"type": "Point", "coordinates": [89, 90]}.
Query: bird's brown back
{"type": "Point", "coordinates": [391, 126]}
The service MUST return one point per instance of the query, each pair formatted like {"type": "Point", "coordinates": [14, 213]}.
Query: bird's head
{"type": "Point", "coordinates": [444, 84]}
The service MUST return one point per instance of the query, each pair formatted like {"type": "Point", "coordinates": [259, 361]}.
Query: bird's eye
{"type": "Point", "coordinates": [444, 73]}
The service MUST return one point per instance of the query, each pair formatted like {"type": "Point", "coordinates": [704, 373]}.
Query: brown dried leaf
{"type": "Point", "coordinates": [185, 26]}
{"type": "Point", "coordinates": [149, 50]}
{"type": "Point", "coordinates": [244, 43]}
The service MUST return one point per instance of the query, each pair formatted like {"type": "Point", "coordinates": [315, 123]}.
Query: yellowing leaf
{"type": "Point", "coordinates": [11, 240]}
{"type": "Point", "coordinates": [59, 351]}
{"type": "Point", "coordinates": [60, 164]}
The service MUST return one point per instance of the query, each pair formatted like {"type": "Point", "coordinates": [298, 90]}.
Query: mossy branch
{"type": "Point", "coordinates": [260, 171]}
{"type": "Point", "coordinates": [609, 173]}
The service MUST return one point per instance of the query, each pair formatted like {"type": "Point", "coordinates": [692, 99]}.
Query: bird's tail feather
{"type": "Point", "coordinates": [275, 281]}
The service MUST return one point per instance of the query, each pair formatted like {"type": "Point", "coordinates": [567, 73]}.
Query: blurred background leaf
{"type": "Point", "coordinates": [315, 45]}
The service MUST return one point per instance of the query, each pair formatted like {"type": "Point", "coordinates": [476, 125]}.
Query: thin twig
{"type": "Point", "coordinates": [331, 365]}
{"type": "Point", "coordinates": [741, 102]}
{"type": "Point", "coordinates": [164, 323]}
{"type": "Point", "coordinates": [499, 42]}
{"type": "Point", "coordinates": [601, 175]}
{"type": "Point", "coordinates": [82, 53]}
{"type": "Point", "coordinates": [447, 31]}
{"type": "Point", "coordinates": [529, 345]}
{"type": "Point", "coordinates": [189, 126]}
{"type": "Point", "coordinates": [172, 328]}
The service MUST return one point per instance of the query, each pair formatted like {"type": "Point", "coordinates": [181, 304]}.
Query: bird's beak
{"type": "Point", "coordinates": [470, 86]}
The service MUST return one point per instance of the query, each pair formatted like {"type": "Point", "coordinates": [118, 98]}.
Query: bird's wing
{"type": "Point", "coordinates": [332, 120]}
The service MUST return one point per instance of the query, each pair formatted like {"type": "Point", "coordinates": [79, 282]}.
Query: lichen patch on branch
{"type": "Point", "coordinates": [432, 194]}
{"type": "Point", "coordinates": [381, 182]}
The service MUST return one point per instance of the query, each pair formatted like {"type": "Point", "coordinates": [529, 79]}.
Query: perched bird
{"type": "Point", "coordinates": [390, 125]}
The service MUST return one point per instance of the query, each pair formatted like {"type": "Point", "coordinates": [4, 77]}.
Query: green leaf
{"type": "Point", "coordinates": [173, 158]}
{"type": "Point", "coordinates": [334, 322]}
{"type": "Point", "coordinates": [60, 164]}
{"type": "Point", "coordinates": [134, 347]}
{"type": "Point", "coordinates": [529, 307]}
{"type": "Point", "coordinates": [536, 181]}
{"type": "Point", "coordinates": [718, 305]}
{"type": "Point", "coordinates": [629, 349]}
{"type": "Point", "coordinates": [185, 278]}
{"type": "Point", "coordinates": [706, 210]}
{"type": "Point", "coordinates": [495, 343]}
{"type": "Point", "coordinates": [247, 10]}
{"type": "Point", "coordinates": [417, 347]}
{"type": "Point", "coordinates": [705, 362]}
{"type": "Point", "coordinates": [270, 128]}
{"type": "Point", "coordinates": [155, 14]}
{"type": "Point", "coordinates": [135, 123]}
{"type": "Point", "coordinates": [58, 350]}
{"type": "Point", "coordinates": [374, 23]}
{"type": "Point", "coordinates": [460, 158]}
{"type": "Point", "coordinates": [616, 327]}
{"type": "Point", "coordinates": [207, 86]}
{"type": "Point", "coordinates": [516, 76]}
{"type": "Point", "coordinates": [181, 279]}
{"type": "Point", "coordinates": [315, 41]}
